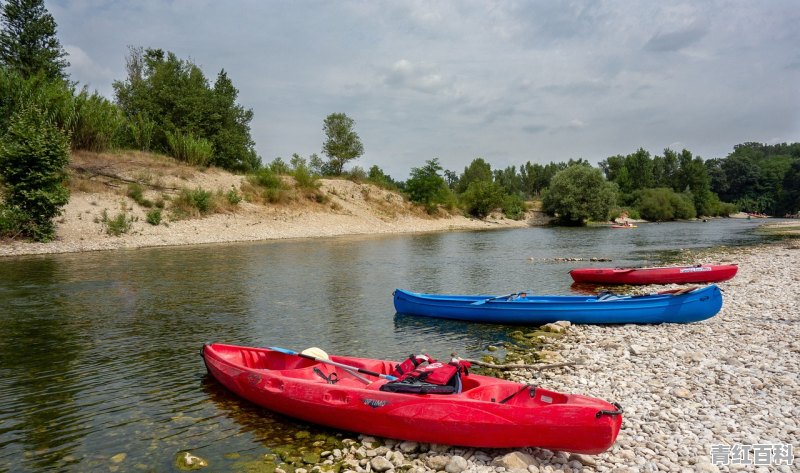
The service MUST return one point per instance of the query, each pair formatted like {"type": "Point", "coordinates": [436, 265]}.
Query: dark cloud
{"type": "Point", "coordinates": [676, 40]}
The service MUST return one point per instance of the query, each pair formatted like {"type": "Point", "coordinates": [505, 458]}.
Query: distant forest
{"type": "Point", "coordinates": [754, 177]}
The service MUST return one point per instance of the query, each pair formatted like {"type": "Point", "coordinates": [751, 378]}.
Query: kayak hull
{"type": "Point", "coordinates": [473, 418]}
{"type": "Point", "coordinates": [667, 275]}
{"type": "Point", "coordinates": [692, 306]}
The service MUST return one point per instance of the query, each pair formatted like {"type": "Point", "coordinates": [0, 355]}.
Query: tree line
{"type": "Point", "coordinates": [755, 178]}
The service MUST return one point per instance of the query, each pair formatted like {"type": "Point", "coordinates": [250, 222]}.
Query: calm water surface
{"type": "Point", "coordinates": [99, 353]}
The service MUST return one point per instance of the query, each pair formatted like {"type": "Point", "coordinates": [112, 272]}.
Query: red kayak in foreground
{"type": "Point", "coordinates": [487, 413]}
{"type": "Point", "coordinates": [660, 275]}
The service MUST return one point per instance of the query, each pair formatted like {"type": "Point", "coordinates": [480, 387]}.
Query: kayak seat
{"type": "Point", "coordinates": [492, 392]}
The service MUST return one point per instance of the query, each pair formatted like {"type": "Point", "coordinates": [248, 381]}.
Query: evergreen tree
{"type": "Point", "coordinates": [28, 41]}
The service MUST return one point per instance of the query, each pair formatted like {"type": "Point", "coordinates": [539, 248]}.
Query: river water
{"type": "Point", "coordinates": [99, 353]}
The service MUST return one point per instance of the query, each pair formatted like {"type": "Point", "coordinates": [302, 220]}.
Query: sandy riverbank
{"type": "Point", "coordinates": [101, 183]}
{"type": "Point", "coordinates": [79, 229]}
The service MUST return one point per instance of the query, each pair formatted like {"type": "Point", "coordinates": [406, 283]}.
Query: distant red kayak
{"type": "Point", "coordinates": [660, 275]}
{"type": "Point", "coordinates": [487, 413]}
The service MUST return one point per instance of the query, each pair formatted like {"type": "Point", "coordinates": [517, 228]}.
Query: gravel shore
{"type": "Point", "coordinates": [730, 380]}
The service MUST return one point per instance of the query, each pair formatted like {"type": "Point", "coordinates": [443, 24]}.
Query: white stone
{"type": "Point", "coordinates": [457, 464]}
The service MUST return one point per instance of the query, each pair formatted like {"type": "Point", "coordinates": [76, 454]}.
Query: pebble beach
{"type": "Point", "coordinates": [722, 385]}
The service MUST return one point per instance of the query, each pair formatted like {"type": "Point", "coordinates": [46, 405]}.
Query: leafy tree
{"type": "Point", "coordinates": [478, 170]}
{"type": "Point", "coordinates": [176, 96]}
{"type": "Point", "coordinates": [315, 164]}
{"type": "Point", "coordinates": [755, 176]}
{"type": "Point", "coordinates": [426, 186]}
{"type": "Point", "coordinates": [640, 168]}
{"type": "Point", "coordinates": [452, 178]}
{"type": "Point", "coordinates": [716, 173]}
{"type": "Point", "coordinates": [28, 41]}
{"type": "Point", "coordinates": [509, 180]}
{"type": "Point", "coordinates": [791, 187]}
{"type": "Point", "coordinates": [342, 143]}
{"type": "Point", "coordinates": [279, 166]}
{"type": "Point", "coordinates": [669, 174]}
{"type": "Point", "coordinates": [660, 204]}
{"type": "Point", "coordinates": [378, 177]}
{"type": "Point", "coordinates": [481, 197]}
{"type": "Point", "coordinates": [631, 172]}
{"type": "Point", "coordinates": [616, 171]}
{"type": "Point", "coordinates": [535, 178]}
{"type": "Point", "coordinates": [33, 157]}
{"type": "Point", "coordinates": [742, 177]}
{"type": "Point", "coordinates": [579, 193]}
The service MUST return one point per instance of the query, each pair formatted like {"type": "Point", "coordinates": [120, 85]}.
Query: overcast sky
{"type": "Point", "coordinates": [507, 81]}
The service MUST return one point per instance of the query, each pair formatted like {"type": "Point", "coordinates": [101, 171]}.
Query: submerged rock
{"type": "Point", "coordinates": [185, 461]}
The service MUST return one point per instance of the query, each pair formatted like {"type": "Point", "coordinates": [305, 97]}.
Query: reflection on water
{"type": "Point", "coordinates": [100, 351]}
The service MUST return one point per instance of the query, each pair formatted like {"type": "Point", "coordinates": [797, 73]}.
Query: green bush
{"type": "Point", "coordinates": [116, 226]}
{"type": "Point", "coordinates": [514, 207]}
{"type": "Point", "coordinates": [481, 197]}
{"type": "Point", "coordinates": [304, 179]}
{"type": "Point", "coordinates": [198, 198]}
{"type": "Point", "coordinates": [357, 174]}
{"type": "Point", "coordinates": [233, 197]}
{"type": "Point", "coordinates": [33, 157]}
{"type": "Point", "coordinates": [12, 221]}
{"type": "Point", "coordinates": [725, 209]}
{"type": "Point", "coordinates": [381, 179]}
{"type": "Point", "coordinates": [279, 166]}
{"type": "Point", "coordinates": [195, 151]}
{"type": "Point", "coordinates": [136, 192]}
{"type": "Point", "coordinates": [664, 204]}
{"type": "Point", "coordinates": [98, 123]}
{"type": "Point", "coordinates": [266, 178]}
{"type": "Point", "coordinates": [154, 217]}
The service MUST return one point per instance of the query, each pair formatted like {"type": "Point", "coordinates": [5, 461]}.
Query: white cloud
{"type": "Point", "coordinates": [404, 74]}
{"type": "Point", "coordinates": [88, 72]}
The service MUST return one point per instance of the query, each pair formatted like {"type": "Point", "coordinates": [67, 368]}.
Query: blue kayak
{"type": "Point", "coordinates": [676, 306]}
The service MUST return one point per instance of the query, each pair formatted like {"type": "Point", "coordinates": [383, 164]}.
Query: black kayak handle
{"type": "Point", "coordinates": [619, 411]}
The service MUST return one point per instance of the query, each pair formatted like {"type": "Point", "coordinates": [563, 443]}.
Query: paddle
{"type": "Point", "coordinates": [484, 301]}
{"type": "Point", "coordinates": [320, 353]}
{"type": "Point", "coordinates": [669, 292]}
{"type": "Point", "coordinates": [334, 363]}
